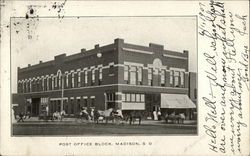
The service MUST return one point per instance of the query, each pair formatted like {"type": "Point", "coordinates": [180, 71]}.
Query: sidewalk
{"type": "Point", "coordinates": [75, 121]}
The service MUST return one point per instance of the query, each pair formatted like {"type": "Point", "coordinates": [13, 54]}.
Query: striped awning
{"type": "Point", "coordinates": [176, 101]}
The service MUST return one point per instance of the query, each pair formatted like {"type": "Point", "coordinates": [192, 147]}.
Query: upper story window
{"type": "Point", "coordinates": [171, 78]}
{"type": "Point", "coordinates": [162, 77]}
{"type": "Point", "coordinates": [140, 75]}
{"type": "Point", "coordinates": [48, 83]}
{"type": "Point", "coordinates": [126, 68]}
{"type": "Point", "coordinates": [176, 78]}
{"type": "Point", "coordinates": [79, 79]}
{"type": "Point", "coordinates": [67, 80]}
{"type": "Point", "coordinates": [19, 87]}
{"type": "Point", "coordinates": [43, 84]}
{"type": "Point", "coordinates": [30, 85]}
{"type": "Point", "coordinates": [86, 77]}
{"type": "Point", "coordinates": [93, 77]}
{"type": "Point", "coordinates": [182, 78]}
{"type": "Point", "coordinates": [60, 81]}
{"type": "Point", "coordinates": [52, 83]}
{"type": "Point", "coordinates": [133, 75]}
{"type": "Point", "coordinates": [73, 80]}
{"type": "Point", "coordinates": [55, 81]}
{"type": "Point", "coordinates": [27, 86]}
{"type": "Point", "coordinates": [150, 76]}
{"type": "Point", "coordinates": [23, 85]}
{"type": "Point", "coordinates": [100, 76]}
{"type": "Point", "coordinates": [111, 69]}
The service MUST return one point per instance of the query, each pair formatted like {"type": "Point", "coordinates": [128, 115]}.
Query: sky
{"type": "Point", "coordinates": [38, 39]}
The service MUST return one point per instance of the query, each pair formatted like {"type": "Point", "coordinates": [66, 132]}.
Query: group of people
{"type": "Point", "coordinates": [89, 116]}
{"type": "Point", "coordinates": [23, 116]}
{"type": "Point", "coordinates": [157, 114]}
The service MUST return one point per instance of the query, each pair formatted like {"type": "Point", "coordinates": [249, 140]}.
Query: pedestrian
{"type": "Point", "coordinates": [21, 117]}
{"type": "Point", "coordinates": [155, 115]}
{"type": "Point", "coordinates": [159, 114]}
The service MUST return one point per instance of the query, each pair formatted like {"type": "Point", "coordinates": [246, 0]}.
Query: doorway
{"type": "Point", "coordinates": [35, 106]}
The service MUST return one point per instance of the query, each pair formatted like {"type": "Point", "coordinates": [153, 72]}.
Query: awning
{"type": "Point", "coordinates": [176, 101]}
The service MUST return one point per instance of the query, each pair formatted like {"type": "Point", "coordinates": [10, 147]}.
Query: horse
{"type": "Point", "coordinates": [133, 116]}
{"type": "Point", "coordinates": [175, 118]}
{"type": "Point", "coordinates": [58, 115]}
{"type": "Point", "coordinates": [181, 118]}
{"type": "Point", "coordinates": [106, 114]}
{"type": "Point", "coordinates": [83, 114]}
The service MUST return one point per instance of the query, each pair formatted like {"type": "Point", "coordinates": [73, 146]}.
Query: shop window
{"type": "Point", "coordinates": [127, 97]}
{"type": "Point", "coordinates": [92, 104]}
{"type": "Point", "coordinates": [78, 103]}
{"type": "Point", "coordinates": [66, 108]}
{"type": "Point", "coordinates": [138, 97]}
{"type": "Point", "coordinates": [133, 97]}
{"type": "Point", "coordinates": [142, 98]}
{"type": "Point", "coordinates": [140, 75]}
{"type": "Point", "coordinates": [162, 77]}
{"type": "Point", "coordinates": [123, 97]}
{"type": "Point", "coordinates": [72, 106]}
{"type": "Point", "coordinates": [133, 75]}
{"type": "Point", "coordinates": [85, 102]}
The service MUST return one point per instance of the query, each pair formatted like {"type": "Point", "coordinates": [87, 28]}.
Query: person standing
{"type": "Point", "coordinates": [159, 114]}
{"type": "Point", "coordinates": [155, 115]}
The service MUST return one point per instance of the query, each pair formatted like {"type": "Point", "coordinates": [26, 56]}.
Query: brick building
{"type": "Point", "coordinates": [118, 75]}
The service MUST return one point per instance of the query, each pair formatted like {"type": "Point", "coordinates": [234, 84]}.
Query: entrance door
{"type": "Point", "coordinates": [35, 103]}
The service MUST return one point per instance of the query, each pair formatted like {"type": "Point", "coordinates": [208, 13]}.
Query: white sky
{"type": "Point", "coordinates": [51, 36]}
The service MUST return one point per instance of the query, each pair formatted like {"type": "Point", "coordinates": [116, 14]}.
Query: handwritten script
{"type": "Point", "coordinates": [226, 57]}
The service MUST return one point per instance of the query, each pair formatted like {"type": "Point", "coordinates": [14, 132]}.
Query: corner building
{"type": "Point", "coordinates": [119, 75]}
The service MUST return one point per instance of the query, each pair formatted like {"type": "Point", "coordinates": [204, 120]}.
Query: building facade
{"type": "Point", "coordinates": [119, 75]}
